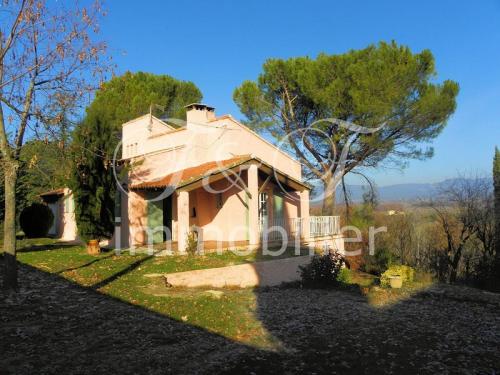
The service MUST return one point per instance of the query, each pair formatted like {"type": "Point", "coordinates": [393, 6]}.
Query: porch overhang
{"type": "Point", "coordinates": [194, 177]}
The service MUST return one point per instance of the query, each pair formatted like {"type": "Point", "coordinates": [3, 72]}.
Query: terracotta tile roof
{"type": "Point", "coordinates": [192, 174]}
{"type": "Point", "coordinates": [53, 192]}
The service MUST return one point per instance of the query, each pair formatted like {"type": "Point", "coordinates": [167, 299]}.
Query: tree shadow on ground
{"type": "Point", "coordinates": [84, 265]}
{"type": "Point", "coordinates": [55, 326]}
{"type": "Point", "coordinates": [132, 266]}
{"type": "Point", "coordinates": [44, 247]}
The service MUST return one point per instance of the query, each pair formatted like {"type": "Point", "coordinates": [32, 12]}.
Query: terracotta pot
{"type": "Point", "coordinates": [396, 282]}
{"type": "Point", "coordinates": [93, 247]}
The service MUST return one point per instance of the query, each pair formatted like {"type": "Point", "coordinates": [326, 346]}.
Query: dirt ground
{"type": "Point", "coordinates": [53, 326]}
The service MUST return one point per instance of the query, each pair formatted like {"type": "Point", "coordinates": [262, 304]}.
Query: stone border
{"type": "Point", "coordinates": [267, 273]}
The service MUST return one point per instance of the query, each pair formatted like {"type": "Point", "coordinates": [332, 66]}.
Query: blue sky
{"type": "Point", "coordinates": [218, 44]}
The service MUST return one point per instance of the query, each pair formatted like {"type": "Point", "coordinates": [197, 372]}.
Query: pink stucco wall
{"type": "Point", "coordinates": [229, 222]}
{"type": "Point", "coordinates": [162, 150]}
{"type": "Point", "coordinates": [137, 218]}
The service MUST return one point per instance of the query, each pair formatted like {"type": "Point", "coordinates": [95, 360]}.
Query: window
{"type": "Point", "coordinates": [193, 214]}
{"type": "Point", "coordinates": [263, 206]}
{"type": "Point", "coordinates": [219, 200]}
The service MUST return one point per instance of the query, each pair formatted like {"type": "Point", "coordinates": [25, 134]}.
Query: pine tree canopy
{"type": "Point", "coordinates": [381, 84]}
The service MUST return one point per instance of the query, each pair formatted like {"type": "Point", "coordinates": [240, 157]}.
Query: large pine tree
{"type": "Point", "coordinates": [121, 99]}
{"type": "Point", "coordinates": [381, 84]}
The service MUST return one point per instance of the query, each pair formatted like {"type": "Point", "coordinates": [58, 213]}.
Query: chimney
{"type": "Point", "coordinates": [199, 113]}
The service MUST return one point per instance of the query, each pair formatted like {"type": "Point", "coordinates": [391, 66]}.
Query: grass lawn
{"type": "Point", "coordinates": [124, 277]}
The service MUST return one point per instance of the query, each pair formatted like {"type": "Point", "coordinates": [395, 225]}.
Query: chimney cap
{"type": "Point", "coordinates": [199, 106]}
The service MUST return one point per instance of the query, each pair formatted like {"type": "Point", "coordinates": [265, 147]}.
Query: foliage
{"type": "Point", "coordinates": [36, 220]}
{"type": "Point", "coordinates": [464, 213]}
{"type": "Point", "coordinates": [407, 274]}
{"type": "Point", "coordinates": [93, 181]}
{"type": "Point", "coordinates": [96, 137]}
{"type": "Point", "coordinates": [191, 243]}
{"type": "Point", "coordinates": [344, 276]}
{"type": "Point", "coordinates": [362, 217]}
{"type": "Point", "coordinates": [50, 61]}
{"type": "Point", "coordinates": [382, 84]}
{"type": "Point", "coordinates": [402, 234]}
{"type": "Point", "coordinates": [379, 262]}
{"type": "Point", "coordinates": [370, 197]}
{"type": "Point", "coordinates": [323, 270]}
{"type": "Point", "coordinates": [130, 95]}
{"type": "Point", "coordinates": [496, 185]}
{"type": "Point", "coordinates": [450, 237]}
{"type": "Point", "coordinates": [44, 166]}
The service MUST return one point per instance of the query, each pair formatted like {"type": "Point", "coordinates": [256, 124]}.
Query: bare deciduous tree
{"type": "Point", "coordinates": [464, 210]}
{"type": "Point", "coordinates": [48, 59]}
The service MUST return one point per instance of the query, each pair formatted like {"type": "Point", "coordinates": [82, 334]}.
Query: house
{"type": "Point", "coordinates": [216, 175]}
{"type": "Point", "coordinates": [62, 205]}
{"type": "Point", "coordinates": [214, 179]}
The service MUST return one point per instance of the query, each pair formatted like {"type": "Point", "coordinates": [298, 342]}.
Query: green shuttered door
{"type": "Point", "coordinates": [155, 219]}
{"type": "Point", "coordinates": [278, 207]}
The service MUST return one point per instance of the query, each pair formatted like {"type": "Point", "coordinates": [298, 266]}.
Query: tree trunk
{"type": "Point", "coordinates": [328, 208]}
{"type": "Point", "coordinates": [454, 265]}
{"type": "Point", "coordinates": [9, 235]}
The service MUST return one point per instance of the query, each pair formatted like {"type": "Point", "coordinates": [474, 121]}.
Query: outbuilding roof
{"type": "Point", "coordinates": [53, 192]}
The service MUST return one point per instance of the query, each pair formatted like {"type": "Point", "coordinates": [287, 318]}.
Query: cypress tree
{"type": "Point", "coordinates": [121, 99]}
{"type": "Point", "coordinates": [93, 181]}
{"type": "Point", "coordinates": [496, 185]}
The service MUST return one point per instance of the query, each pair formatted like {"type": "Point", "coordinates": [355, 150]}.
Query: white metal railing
{"type": "Point", "coordinates": [279, 228]}
{"type": "Point", "coordinates": [324, 225]}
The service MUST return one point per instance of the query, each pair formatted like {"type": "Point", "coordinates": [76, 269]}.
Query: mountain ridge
{"type": "Point", "coordinates": [403, 192]}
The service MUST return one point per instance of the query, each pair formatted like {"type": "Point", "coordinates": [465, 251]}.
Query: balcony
{"type": "Point", "coordinates": [279, 228]}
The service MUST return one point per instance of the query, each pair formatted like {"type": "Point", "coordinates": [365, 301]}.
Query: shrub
{"type": "Point", "coordinates": [344, 276]}
{"type": "Point", "coordinates": [191, 243]}
{"type": "Point", "coordinates": [323, 270]}
{"type": "Point", "coordinates": [406, 272]}
{"type": "Point", "coordinates": [379, 262]}
{"type": "Point", "coordinates": [36, 220]}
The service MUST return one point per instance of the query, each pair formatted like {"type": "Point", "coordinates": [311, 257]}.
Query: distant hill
{"type": "Point", "coordinates": [398, 192]}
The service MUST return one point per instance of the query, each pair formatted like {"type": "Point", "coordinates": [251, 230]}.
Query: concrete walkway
{"type": "Point", "coordinates": [267, 273]}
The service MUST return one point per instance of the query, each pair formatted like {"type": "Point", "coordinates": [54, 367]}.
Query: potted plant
{"type": "Point", "coordinates": [396, 281]}
{"type": "Point", "coordinates": [93, 247]}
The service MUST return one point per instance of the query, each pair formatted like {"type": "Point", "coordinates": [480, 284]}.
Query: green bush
{"type": "Point", "coordinates": [323, 270]}
{"type": "Point", "coordinates": [191, 243]}
{"type": "Point", "coordinates": [380, 262]}
{"type": "Point", "coordinates": [406, 272]}
{"type": "Point", "coordinates": [36, 220]}
{"type": "Point", "coordinates": [344, 276]}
